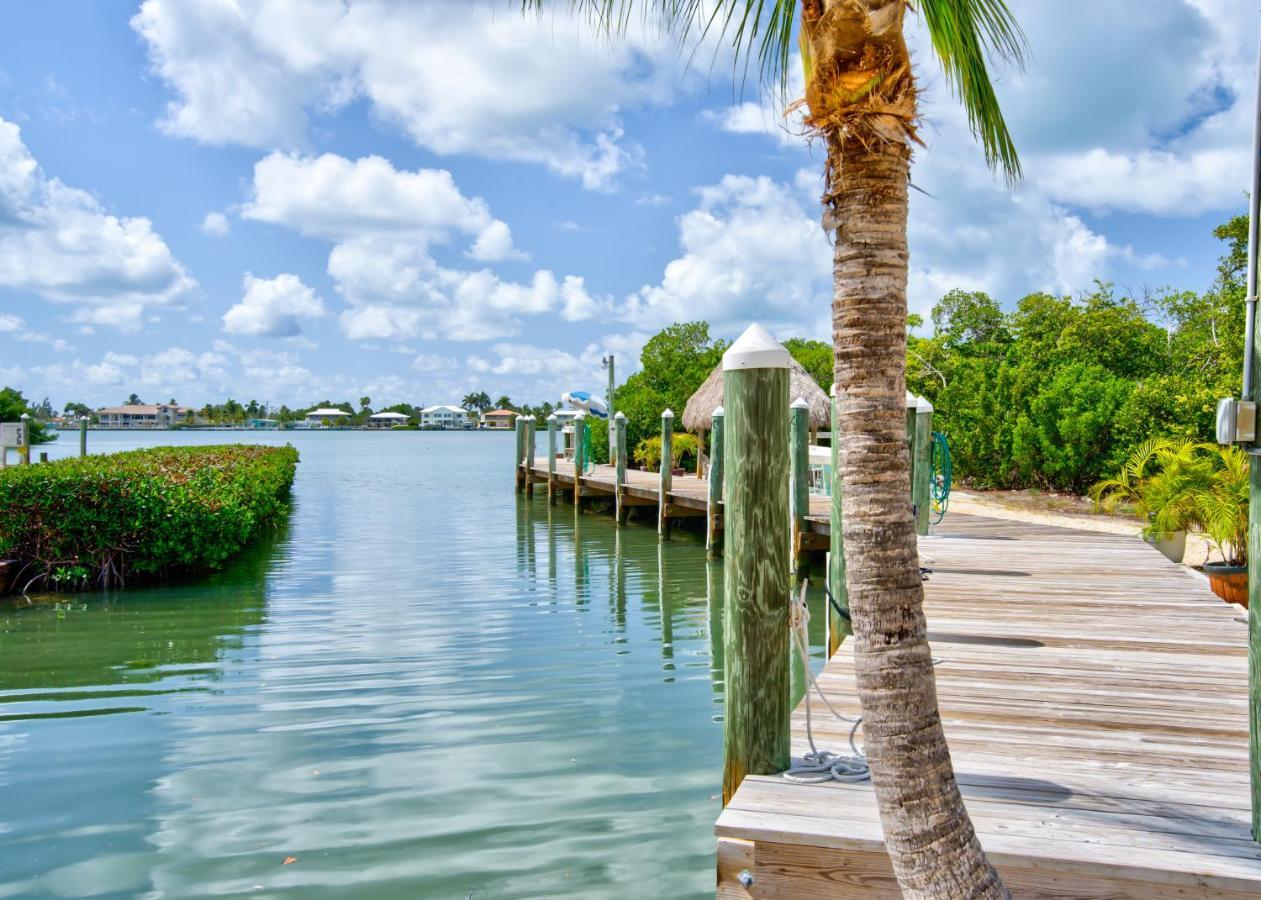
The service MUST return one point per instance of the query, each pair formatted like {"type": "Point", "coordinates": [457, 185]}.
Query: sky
{"type": "Point", "coordinates": [300, 201]}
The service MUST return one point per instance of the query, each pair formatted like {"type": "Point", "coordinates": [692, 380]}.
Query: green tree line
{"type": "Point", "coordinates": [1056, 392]}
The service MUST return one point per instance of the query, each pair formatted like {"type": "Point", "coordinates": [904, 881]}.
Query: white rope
{"type": "Point", "coordinates": [818, 765]}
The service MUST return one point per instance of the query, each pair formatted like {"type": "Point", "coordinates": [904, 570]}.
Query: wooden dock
{"type": "Point", "coordinates": [1094, 697]}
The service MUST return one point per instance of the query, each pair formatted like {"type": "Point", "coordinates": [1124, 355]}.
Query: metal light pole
{"type": "Point", "coordinates": [607, 362]}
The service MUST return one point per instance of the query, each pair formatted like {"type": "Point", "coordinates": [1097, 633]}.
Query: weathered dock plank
{"type": "Point", "coordinates": [1094, 696]}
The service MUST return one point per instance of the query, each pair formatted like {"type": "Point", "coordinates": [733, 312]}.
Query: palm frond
{"type": "Point", "coordinates": [965, 33]}
{"type": "Point", "coordinates": [761, 30]}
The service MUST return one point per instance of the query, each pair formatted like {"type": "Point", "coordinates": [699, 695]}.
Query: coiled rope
{"type": "Point", "coordinates": [942, 476]}
{"type": "Point", "coordinates": [818, 765]}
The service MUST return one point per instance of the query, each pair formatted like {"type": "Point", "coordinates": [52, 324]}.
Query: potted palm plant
{"type": "Point", "coordinates": [1160, 483]}
{"type": "Point", "coordinates": [1223, 517]}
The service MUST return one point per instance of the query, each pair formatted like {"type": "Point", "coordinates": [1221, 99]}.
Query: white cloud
{"type": "Point", "coordinates": [9, 323]}
{"type": "Point", "coordinates": [750, 251]}
{"type": "Point", "coordinates": [216, 224]}
{"type": "Point", "coordinates": [60, 243]}
{"type": "Point", "coordinates": [456, 77]}
{"type": "Point", "coordinates": [338, 199]}
{"type": "Point", "coordinates": [384, 225]}
{"type": "Point", "coordinates": [273, 307]}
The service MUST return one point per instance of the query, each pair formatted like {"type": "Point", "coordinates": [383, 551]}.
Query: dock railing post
{"type": "Point", "coordinates": [921, 487]}
{"type": "Point", "coordinates": [551, 458]}
{"type": "Point", "coordinates": [667, 475]}
{"type": "Point", "coordinates": [24, 449]}
{"type": "Point", "coordinates": [713, 497]}
{"type": "Point", "coordinates": [519, 425]}
{"type": "Point", "coordinates": [580, 431]}
{"type": "Point", "coordinates": [756, 559]}
{"type": "Point", "coordinates": [531, 425]}
{"type": "Point", "coordinates": [83, 435]}
{"type": "Point", "coordinates": [619, 478]}
{"type": "Point", "coordinates": [838, 625]}
{"type": "Point", "coordinates": [799, 440]}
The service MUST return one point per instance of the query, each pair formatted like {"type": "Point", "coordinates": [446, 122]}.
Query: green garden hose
{"type": "Point", "coordinates": [941, 476]}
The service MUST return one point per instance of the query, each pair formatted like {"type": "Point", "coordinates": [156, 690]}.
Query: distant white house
{"type": "Point", "coordinates": [444, 417]}
{"type": "Point", "coordinates": [318, 417]}
{"type": "Point", "coordinates": [143, 415]}
{"type": "Point", "coordinates": [387, 419]}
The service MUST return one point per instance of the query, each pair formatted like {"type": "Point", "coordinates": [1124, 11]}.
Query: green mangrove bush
{"type": "Point", "coordinates": [105, 521]}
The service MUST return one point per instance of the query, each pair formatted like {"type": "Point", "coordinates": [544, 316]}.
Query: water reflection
{"type": "Point", "coordinates": [428, 687]}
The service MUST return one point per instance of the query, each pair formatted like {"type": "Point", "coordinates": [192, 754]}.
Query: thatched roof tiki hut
{"type": "Point", "coordinates": [698, 415]}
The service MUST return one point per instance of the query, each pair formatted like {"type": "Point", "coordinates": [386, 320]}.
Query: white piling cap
{"type": "Point", "coordinates": [552, 417]}
{"type": "Point", "coordinates": [911, 400]}
{"type": "Point", "coordinates": [800, 403]}
{"type": "Point", "coordinates": [621, 416]}
{"type": "Point", "coordinates": [832, 390]}
{"type": "Point", "coordinates": [718, 411]}
{"type": "Point", "coordinates": [923, 406]}
{"type": "Point", "coordinates": [755, 349]}
{"type": "Point", "coordinates": [668, 414]}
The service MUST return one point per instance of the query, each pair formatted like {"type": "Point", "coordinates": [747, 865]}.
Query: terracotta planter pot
{"type": "Point", "coordinates": [1228, 582]}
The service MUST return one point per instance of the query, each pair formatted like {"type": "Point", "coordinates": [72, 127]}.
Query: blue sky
{"type": "Point", "coordinates": [293, 202]}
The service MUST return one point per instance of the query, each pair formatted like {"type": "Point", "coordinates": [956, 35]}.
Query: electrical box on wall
{"type": "Point", "coordinates": [1236, 421]}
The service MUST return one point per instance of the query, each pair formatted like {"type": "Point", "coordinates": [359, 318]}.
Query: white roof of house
{"type": "Point", "coordinates": [444, 408]}
{"type": "Point", "coordinates": [388, 415]}
{"type": "Point", "coordinates": [326, 412]}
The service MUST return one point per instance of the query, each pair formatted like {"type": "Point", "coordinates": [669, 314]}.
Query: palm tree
{"type": "Point", "coordinates": [860, 98]}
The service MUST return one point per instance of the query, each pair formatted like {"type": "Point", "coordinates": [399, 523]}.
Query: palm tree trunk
{"type": "Point", "coordinates": [927, 831]}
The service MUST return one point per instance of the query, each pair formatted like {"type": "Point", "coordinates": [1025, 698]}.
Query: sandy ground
{"type": "Point", "coordinates": [1062, 510]}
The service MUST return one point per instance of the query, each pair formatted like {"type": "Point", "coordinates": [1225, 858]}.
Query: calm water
{"type": "Point", "coordinates": [421, 687]}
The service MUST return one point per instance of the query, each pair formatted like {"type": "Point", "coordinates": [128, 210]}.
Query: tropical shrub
{"type": "Point", "coordinates": [682, 451]}
{"type": "Point", "coordinates": [1161, 482]}
{"type": "Point", "coordinates": [1223, 505]}
{"type": "Point", "coordinates": [107, 521]}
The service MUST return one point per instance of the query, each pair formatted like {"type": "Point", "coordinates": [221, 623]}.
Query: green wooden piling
{"type": "Point", "coordinates": [619, 460]}
{"type": "Point", "coordinates": [667, 475]}
{"type": "Point", "coordinates": [83, 435]}
{"type": "Point", "coordinates": [1254, 614]}
{"type": "Point", "coordinates": [912, 403]}
{"type": "Point", "coordinates": [799, 441]}
{"type": "Point", "coordinates": [551, 458]}
{"type": "Point", "coordinates": [519, 425]}
{"type": "Point", "coordinates": [580, 428]}
{"type": "Point", "coordinates": [713, 499]}
{"type": "Point", "coordinates": [838, 625]}
{"type": "Point", "coordinates": [531, 425]}
{"type": "Point", "coordinates": [921, 486]}
{"type": "Point", "coordinates": [756, 559]}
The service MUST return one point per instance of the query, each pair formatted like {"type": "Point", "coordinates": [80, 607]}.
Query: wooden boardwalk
{"type": "Point", "coordinates": [1095, 699]}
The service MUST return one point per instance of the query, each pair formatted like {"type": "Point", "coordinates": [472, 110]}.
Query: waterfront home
{"type": "Point", "coordinates": [444, 417]}
{"type": "Point", "coordinates": [327, 416]}
{"type": "Point", "coordinates": [500, 418]}
{"type": "Point", "coordinates": [143, 415]}
{"type": "Point", "coordinates": [387, 420]}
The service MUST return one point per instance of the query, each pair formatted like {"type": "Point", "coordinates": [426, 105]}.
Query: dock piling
{"type": "Point", "coordinates": [619, 477]}
{"type": "Point", "coordinates": [551, 458]}
{"type": "Point", "coordinates": [713, 497]}
{"type": "Point", "coordinates": [580, 431]}
{"type": "Point", "coordinates": [756, 564]}
{"type": "Point", "coordinates": [83, 435]}
{"type": "Point", "coordinates": [531, 425]}
{"type": "Point", "coordinates": [519, 456]}
{"type": "Point", "coordinates": [920, 487]}
{"type": "Point", "coordinates": [838, 625]}
{"type": "Point", "coordinates": [799, 440]}
{"type": "Point", "coordinates": [667, 475]}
